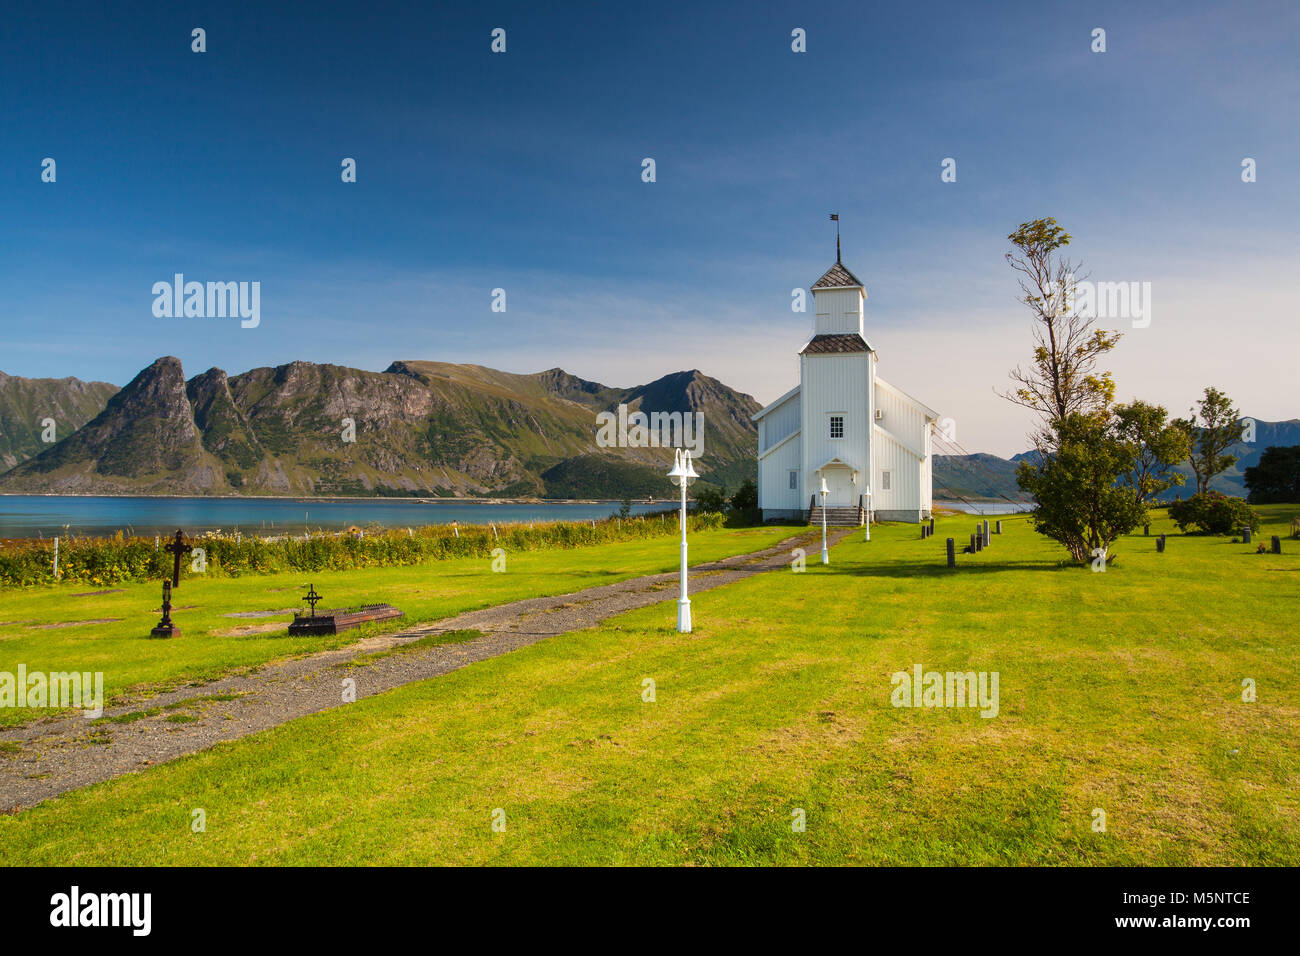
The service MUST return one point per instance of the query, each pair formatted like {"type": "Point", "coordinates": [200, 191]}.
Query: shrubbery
{"type": "Point", "coordinates": [105, 561]}
{"type": "Point", "coordinates": [1213, 513]}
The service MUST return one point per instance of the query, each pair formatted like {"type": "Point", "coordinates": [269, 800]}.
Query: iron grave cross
{"type": "Point", "coordinates": [177, 548]}
{"type": "Point", "coordinates": [311, 598]}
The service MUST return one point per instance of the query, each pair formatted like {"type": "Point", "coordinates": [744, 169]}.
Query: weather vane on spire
{"type": "Point", "coordinates": [835, 218]}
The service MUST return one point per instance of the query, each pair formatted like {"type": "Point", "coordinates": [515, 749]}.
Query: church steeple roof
{"type": "Point", "coordinates": [838, 277]}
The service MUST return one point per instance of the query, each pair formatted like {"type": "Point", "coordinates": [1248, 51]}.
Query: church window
{"type": "Point", "coordinates": [837, 426]}
{"type": "Point", "coordinates": [884, 481]}
{"type": "Point", "coordinates": [794, 481]}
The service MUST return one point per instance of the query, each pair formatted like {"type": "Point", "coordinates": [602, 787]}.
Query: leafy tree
{"type": "Point", "coordinates": [1080, 503]}
{"type": "Point", "coordinates": [1063, 378]}
{"type": "Point", "coordinates": [1213, 513]}
{"type": "Point", "coordinates": [1212, 428]}
{"type": "Point", "coordinates": [744, 503]}
{"type": "Point", "coordinates": [1277, 476]}
{"type": "Point", "coordinates": [710, 498]}
{"type": "Point", "coordinates": [1158, 445]}
{"type": "Point", "coordinates": [625, 508]}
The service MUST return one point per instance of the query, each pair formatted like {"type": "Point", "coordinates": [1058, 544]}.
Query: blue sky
{"type": "Point", "coordinates": [522, 171]}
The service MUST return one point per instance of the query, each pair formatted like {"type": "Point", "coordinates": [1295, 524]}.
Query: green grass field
{"type": "Point", "coordinates": [1119, 691]}
{"type": "Point", "coordinates": [212, 645]}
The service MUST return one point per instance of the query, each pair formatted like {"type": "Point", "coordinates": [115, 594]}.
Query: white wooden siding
{"type": "Point", "coordinates": [837, 311]}
{"type": "Point", "coordinates": [774, 478]}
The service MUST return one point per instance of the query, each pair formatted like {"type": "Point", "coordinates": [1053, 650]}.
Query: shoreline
{"type": "Point", "coordinates": [414, 499]}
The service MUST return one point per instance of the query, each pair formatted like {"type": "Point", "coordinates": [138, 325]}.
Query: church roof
{"type": "Point", "coordinates": [837, 277]}
{"type": "Point", "coordinates": [835, 343]}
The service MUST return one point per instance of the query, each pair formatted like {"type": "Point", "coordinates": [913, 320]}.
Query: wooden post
{"type": "Point", "coordinates": [1146, 530]}
{"type": "Point", "coordinates": [999, 528]}
{"type": "Point", "coordinates": [56, 555]}
{"type": "Point", "coordinates": [974, 543]}
{"type": "Point", "coordinates": [986, 533]}
{"type": "Point", "coordinates": [931, 526]}
{"type": "Point", "coordinates": [952, 553]}
{"type": "Point", "coordinates": [1245, 535]}
{"type": "Point", "coordinates": [1277, 544]}
{"type": "Point", "coordinates": [1160, 544]}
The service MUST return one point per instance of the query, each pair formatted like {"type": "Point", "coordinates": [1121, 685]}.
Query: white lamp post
{"type": "Point", "coordinates": [826, 557]}
{"type": "Point", "coordinates": [682, 475]}
{"type": "Point", "coordinates": [867, 523]}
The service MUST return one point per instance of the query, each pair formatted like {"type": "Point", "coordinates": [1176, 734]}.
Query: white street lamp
{"type": "Point", "coordinates": [826, 557]}
{"type": "Point", "coordinates": [682, 475]}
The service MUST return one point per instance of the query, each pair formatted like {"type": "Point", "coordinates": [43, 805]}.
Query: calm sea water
{"type": "Point", "coordinates": [986, 507]}
{"type": "Point", "coordinates": [30, 516]}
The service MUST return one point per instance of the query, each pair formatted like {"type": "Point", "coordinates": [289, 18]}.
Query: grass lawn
{"type": "Point", "coordinates": [1119, 691]}
{"type": "Point", "coordinates": [211, 644]}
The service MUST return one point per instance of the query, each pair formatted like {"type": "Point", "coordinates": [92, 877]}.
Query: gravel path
{"type": "Point", "coordinates": [62, 754]}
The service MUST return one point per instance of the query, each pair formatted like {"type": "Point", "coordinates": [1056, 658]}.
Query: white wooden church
{"type": "Point", "coordinates": [870, 441]}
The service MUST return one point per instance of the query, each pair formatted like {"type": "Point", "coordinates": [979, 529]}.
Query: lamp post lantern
{"type": "Point", "coordinates": [682, 475]}
{"type": "Point", "coordinates": [826, 557]}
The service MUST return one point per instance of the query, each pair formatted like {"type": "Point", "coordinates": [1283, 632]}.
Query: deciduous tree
{"type": "Point", "coordinates": [1212, 427]}
{"type": "Point", "coordinates": [1157, 445]}
{"type": "Point", "coordinates": [1063, 378]}
{"type": "Point", "coordinates": [1080, 503]}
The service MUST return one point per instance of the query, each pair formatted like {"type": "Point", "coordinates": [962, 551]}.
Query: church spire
{"type": "Point", "coordinates": [835, 218]}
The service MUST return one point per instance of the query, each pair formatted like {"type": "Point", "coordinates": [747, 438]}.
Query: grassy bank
{"type": "Point", "coordinates": [102, 561]}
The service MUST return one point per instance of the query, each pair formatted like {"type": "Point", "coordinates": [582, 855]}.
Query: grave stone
{"type": "Point", "coordinates": [1245, 536]}
{"type": "Point", "coordinates": [338, 619]}
{"type": "Point", "coordinates": [177, 549]}
{"type": "Point", "coordinates": [1160, 544]}
{"type": "Point", "coordinates": [952, 553]}
{"type": "Point", "coordinates": [1277, 544]}
{"type": "Point", "coordinates": [166, 627]}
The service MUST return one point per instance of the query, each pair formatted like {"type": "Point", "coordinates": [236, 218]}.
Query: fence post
{"type": "Point", "coordinates": [952, 553]}
{"type": "Point", "coordinates": [56, 555]}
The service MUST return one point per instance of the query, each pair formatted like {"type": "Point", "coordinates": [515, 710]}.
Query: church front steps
{"type": "Point", "coordinates": [847, 517]}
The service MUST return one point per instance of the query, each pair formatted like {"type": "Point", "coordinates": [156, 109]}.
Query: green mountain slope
{"type": "Point", "coordinates": [26, 402]}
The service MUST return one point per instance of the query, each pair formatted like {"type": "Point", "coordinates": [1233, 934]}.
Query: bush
{"type": "Point", "coordinates": [710, 498]}
{"type": "Point", "coordinates": [744, 503]}
{"type": "Point", "coordinates": [1213, 513]}
{"type": "Point", "coordinates": [112, 560]}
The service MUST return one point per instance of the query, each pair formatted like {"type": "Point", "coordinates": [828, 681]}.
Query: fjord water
{"type": "Point", "coordinates": [31, 516]}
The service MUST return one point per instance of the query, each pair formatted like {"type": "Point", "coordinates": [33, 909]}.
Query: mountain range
{"type": "Point", "coordinates": [415, 429]}
{"type": "Point", "coordinates": [420, 429]}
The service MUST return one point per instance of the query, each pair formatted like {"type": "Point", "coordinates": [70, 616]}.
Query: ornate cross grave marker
{"type": "Point", "coordinates": [312, 597]}
{"type": "Point", "coordinates": [165, 627]}
{"type": "Point", "coordinates": [177, 549]}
